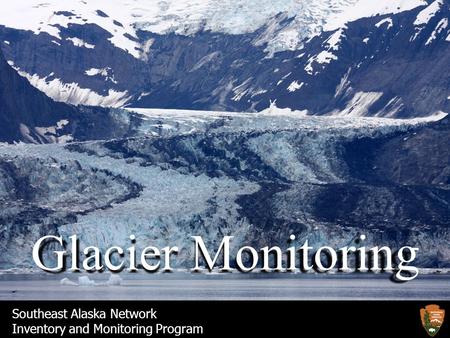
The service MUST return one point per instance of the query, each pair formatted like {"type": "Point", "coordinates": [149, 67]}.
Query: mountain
{"type": "Point", "coordinates": [346, 57]}
{"type": "Point", "coordinates": [27, 114]}
{"type": "Point", "coordinates": [70, 67]}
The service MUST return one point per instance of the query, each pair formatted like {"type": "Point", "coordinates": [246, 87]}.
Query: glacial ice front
{"type": "Point", "coordinates": [258, 177]}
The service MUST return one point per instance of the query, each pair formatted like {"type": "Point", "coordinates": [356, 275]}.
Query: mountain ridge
{"type": "Point", "coordinates": [356, 64]}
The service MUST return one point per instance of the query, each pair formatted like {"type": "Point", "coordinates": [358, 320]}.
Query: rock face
{"type": "Point", "coordinates": [26, 113]}
{"type": "Point", "coordinates": [386, 63]}
{"type": "Point", "coordinates": [257, 177]}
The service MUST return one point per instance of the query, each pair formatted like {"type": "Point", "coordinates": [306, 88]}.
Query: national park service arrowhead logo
{"type": "Point", "coordinates": [432, 318]}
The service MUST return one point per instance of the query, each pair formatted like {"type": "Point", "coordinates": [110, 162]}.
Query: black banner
{"type": "Point", "coordinates": [217, 318]}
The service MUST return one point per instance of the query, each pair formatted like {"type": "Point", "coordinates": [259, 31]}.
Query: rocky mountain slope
{"type": "Point", "coordinates": [28, 114]}
{"type": "Point", "coordinates": [347, 57]}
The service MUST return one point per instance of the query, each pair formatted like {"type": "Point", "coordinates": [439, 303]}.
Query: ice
{"type": "Point", "coordinates": [273, 110]}
{"type": "Point", "coordinates": [85, 281]}
{"type": "Point", "coordinates": [369, 8]}
{"type": "Point", "coordinates": [67, 281]}
{"type": "Point", "coordinates": [114, 280]}
{"type": "Point", "coordinates": [185, 188]}
{"type": "Point", "coordinates": [187, 17]}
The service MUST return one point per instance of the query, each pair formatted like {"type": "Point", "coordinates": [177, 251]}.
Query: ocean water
{"type": "Point", "coordinates": [226, 287]}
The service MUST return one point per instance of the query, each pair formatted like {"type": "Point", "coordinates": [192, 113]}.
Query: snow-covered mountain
{"type": "Point", "coordinates": [124, 18]}
{"type": "Point", "coordinates": [166, 174]}
{"type": "Point", "coordinates": [346, 57]}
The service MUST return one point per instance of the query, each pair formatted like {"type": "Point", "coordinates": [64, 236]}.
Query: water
{"type": "Point", "coordinates": [229, 287]}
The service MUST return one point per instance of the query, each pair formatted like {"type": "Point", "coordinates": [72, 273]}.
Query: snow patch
{"type": "Point", "coordinates": [426, 14]}
{"type": "Point", "coordinates": [96, 71]}
{"type": "Point", "coordinates": [72, 93]}
{"type": "Point", "coordinates": [295, 86]}
{"type": "Point", "coordinates": [334, 40]}
{"type": "Point", "coordinates": [389, 22]}
{"type": "Point", "coordinates": [391, 108]}
{"type": "Point", "coordinates": [210, 58]}
{"type": "Point", "coordinates": [26, 133]}
{"type": "Point", "coordinates": [439, 28]}
{"type": "Point", "coordinates": [104, 72]}
{"type": "Point", "coordinates": [370, 8]}
{"type": "Point", "coordinates": [50, 134]}
{"type": "Point", "coordinates": [343, 84]}
{"type": "Point", "coordinates": [241, 90]}
{"type": "Point", "coordinates": [325, 57]}
{"type": "Point", "coordinates": [359, 105]}
{"type": "Point", "coordinates": [80, 43]}
{"type": "Point", "coordinates": [258, 91]}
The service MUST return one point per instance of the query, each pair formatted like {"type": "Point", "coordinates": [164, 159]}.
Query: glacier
{"type": "Point", "coordinates": [122, 18]}
{"type": "Point", "coordinates": [259, 177]}
{"type": "Point", "coordinates": [319, 55]}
